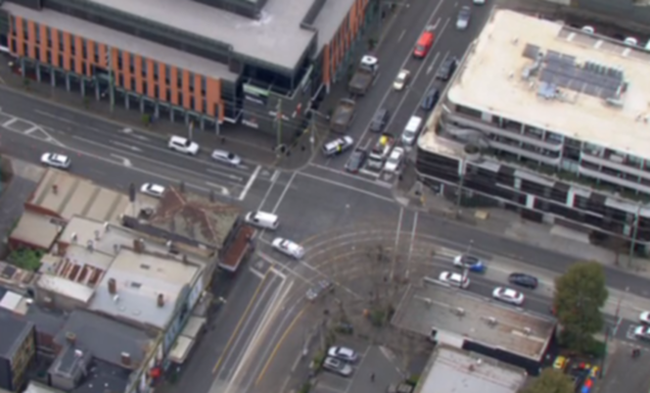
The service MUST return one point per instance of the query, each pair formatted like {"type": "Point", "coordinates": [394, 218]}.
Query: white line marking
{"type": "Point", "coordinates": [276, 175]}
{"type": "Point", "coordinates": [257, 273]}
{"type": "Point", "coordinates": [284, 193]}
{"type": "Point", "coordinates": [397, 233]}
{"type": "Point", "coordinates": [266, 196]}
{"type": "Point", "coordinates": [127, 146]}
{"type": "Point", "coordinates": [32, 130]}
{"type": "Point", "coordinates": [401, 35]}
{"type": "Point", "coordinates": [228, 175]}
{"type": "Point", "coordinates": [125, 161]}
{"type": "Point", "coordinates": [8, 123]}
{"type": "Point", "coordinates": [343, 185]}
{"type": "Point", "coordinates": [46, 114]}
{"type": "Point", "coordinates": [345, 174]}
{"type": "Point", "coordinates": [223, 190]}
{"type": "Point", "coordinates": [433, 63]}
{"type": "Point", "coordinates": [413, 232]}
{"type": "Point", "coordinates": [435, 25]}
{"type": "Point", "coordinates": [248, 185]}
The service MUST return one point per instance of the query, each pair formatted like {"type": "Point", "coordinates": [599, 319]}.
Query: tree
{"type": "Point", "coordinates": [579, 295]}
{"type": "Point", "coordinates": [550, 381]}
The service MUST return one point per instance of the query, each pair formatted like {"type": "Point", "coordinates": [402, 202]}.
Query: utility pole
{"type": "Point", "coordinates": [635, 233]}
{"type": "Point", "coordinates": [279, 120]}
{"type": "Point", "coordinates": [190, 131]}
{"type": "Point", "coordinates": [111, 82]}
{"type": "Point", "coordinates": [459, 190]}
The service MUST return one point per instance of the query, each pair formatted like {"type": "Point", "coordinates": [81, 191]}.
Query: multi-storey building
{"type": "Point", "coordinates": [551, 121]}
{"type": "Point", "coordinates": [198, 61]}
{"type": "Point", "coordinates": [17, 350]}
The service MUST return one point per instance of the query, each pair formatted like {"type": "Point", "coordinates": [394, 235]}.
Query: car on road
{"type": "Point", "coordinates": [642, 332]}
{"type": "Point", "coordinates": [56, 160]}
{"type": "Point", "coordinates": [523, 280]}
{"type": "Point", "coordinates": [447, 69]}
{"type": "Point", "coordinates": [644, 318]}
{"type": "Point", "coordinates": [337, 366]}
{"type": "Point", "coordinates": [508, 295]}
{"type": "Point", "coordinates": [152, 189]}
{"type": "Point", "coordinates": [288, 247]}
{"type": "Point", "coordinates": [478, 2]}
{"type": "Point", "coordinates": [402, 80]}
{"type": "Point", "coordinates": [321, 287]}
{"type": "Point", "coordinates": [469, 262]}
{"type": "Point", "coordinates": [343, 353]}
{"type": "Point", "coordinates": [430, 100]}
{"type": "Point", "coordinates": [379, 120]}
{"type": "Point", "coordinates": [337, 146]}
{"type": "Point", "coordinates": [356, 160]}
{"type": "Point", "coordinates": [464, 15]}
{"type": "Point", "coordinates": [425, 42]}
{"type": "Point", "coordinates": [454, 279]}
{"type": "Point", "coordinates": [394, 161]}
{"type": "Point", "coordinates": [183, 145]}
{"type": "Point", "coordinates": [226, 157]}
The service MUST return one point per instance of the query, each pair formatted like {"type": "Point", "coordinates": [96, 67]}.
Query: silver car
{"type": "Point", "coordinates": [56, 160]}
{"type": "Point", "coordinates": [464, 16]}
{"type": "Point", "coordinates": [337, 366]}
{"type": "Point", "coordinates": [226, 157]}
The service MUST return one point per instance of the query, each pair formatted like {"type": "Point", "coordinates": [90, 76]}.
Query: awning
{"type": "Point", "coordinates": [185, 341]}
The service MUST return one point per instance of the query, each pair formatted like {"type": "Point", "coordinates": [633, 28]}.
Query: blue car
{"type": "Point", "coordinates": [473, 264]}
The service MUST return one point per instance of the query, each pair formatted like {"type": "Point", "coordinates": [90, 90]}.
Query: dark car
{"type": "Point", "coordinates": [447, 69]}
{"type": "Point", "coordinates": [431, 99]}
{"type": "Point", "coordinates": [523, 280]}
{"type": "Point", "coordinates": [379, 120]}
{"type": "Point", "coordinates": [356, 161]}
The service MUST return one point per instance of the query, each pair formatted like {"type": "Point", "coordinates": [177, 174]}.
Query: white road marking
{"type": "Point", "coordinates": [8, 123]}
{"type": "Point", "coordinates": [413, 232]}
{"type": "Point", "coordinates": [433, 63]}
{"type": "Point", "coordinates": [345, 174]}
{"type": "Point", "coordinates": [435, 25]}
{"type": "Point", "coordinates": [276, 175]}
{"type": "Point", "coordinates": [284, 193]}
{"type": "Point", "coordinates": [47, 114]}
{"type": "Point", "coordinates": [249, 184]}
{"type": "Point", "coordinates": [343, 185]}
{"type": "Point", "coordinates": [223, 190]}
{"type": "Point", "coordinates": [125, 161]}
{"type": "Point", "coordinates": [259, 274]}
{"type": "Point", "coordinates": [401, 35]}
{"type": "Point", "coordinates": [228, 175]}
{"type": "Point", "coordinates": [32, 130]}
{"type": "Point", "coordinates": [127, 146]}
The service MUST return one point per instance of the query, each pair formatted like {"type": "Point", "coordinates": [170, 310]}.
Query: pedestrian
{"type": "Point", "coordinates": [372, 377]}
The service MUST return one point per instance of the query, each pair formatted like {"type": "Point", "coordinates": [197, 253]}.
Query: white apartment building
{"type": "Point", "coordinates": [551, 121]}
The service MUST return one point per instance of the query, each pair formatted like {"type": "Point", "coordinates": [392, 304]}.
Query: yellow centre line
{"type": "Point", "coordinates": [279, 344]}
{"type": "Point", "coordinates": [241, 321]}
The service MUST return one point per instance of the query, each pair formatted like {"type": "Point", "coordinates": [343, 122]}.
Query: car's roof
{"type": "Point", "coordinates": [58, 157]}
{"type": "Point", "coordinates": [509, 292]}
{"type": "Point", "coordinates": [156, 187]}
{"type": "Point", "coordinates": [178, 138]}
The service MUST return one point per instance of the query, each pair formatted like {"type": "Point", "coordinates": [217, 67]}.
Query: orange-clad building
{"type": "Point", "coordinates": [194, 61]}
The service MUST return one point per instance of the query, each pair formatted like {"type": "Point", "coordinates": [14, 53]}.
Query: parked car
{"type": "Point", "coordinates": [473, 264]}
{"type": "Point", "coordinates": [152, 189]}
{"type": "Point", "coordinates": [321, 287]}
{"type": "Point", "coordinates": [642, 332]}
{"type": "Point", "coordinates": [226, 157]}
{"type": "Point", "coordinates": [508, 295]}
{"type": "Point", "coordinates": [430, 99]}
{"type": "Point", "coordinates": [394, 160]}
{"type": "Point", "coordinates": [464, 16]}
{"type": "Point", "coordinates": [379, 120]}
{"type": "Point", "coordinates": [523, 280]}
{"type": "Point", "coordinates": [644, 318]}
{"type": "Point", "coordinates": [288, 247]}
{"type": "Point", "coordinates": [183, 145]}
{"type": "Point", "coordinates": [454, 279]}
{"type": "Point", "coordinates": [337, 146]}
{"type": "Point", "coordinates": [56, 160]}
{"type": "Point", "coordinates": [356, 160]}
{"type": "Point", "coordinates": [337, 366]}
{"type": "Point", "coordinates": [447, 69]}
{"type": "Point", "coordinates": [343, 353]}
{"type": "Point", "coordinates": [402, 80]}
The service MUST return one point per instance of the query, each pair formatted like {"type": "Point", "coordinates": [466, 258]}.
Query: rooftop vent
{"type": "Point", "coordinates": [97, 234]}
{"type": "Point", "coordinates": [492, 321]}
{"type": "Point", "coordinates": [73, 237]}
{"type": "Point", "coordinates": [70, 338]}
{"type": "Point", "coordinates": [106, 227]}
{"type": "Point", "coordinates": [138, 245]}
{"type": "Point", "coordinates": [112, 286]}
{"type": "Point", "coordinates": [528, 331]}
{"type": "Point", "coordinates": [125, 358]}
{"type": "Point", "coordinates": [161, 300]}
{"type": "Point", "coordinates": [460, 311]}
{"type": "Point", "coordinates": [78, 353]}
{"type": "Point", "coordinates": [90, 245]}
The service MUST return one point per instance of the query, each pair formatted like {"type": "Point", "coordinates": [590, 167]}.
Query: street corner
{"type": "Point", "coordinates": [625, 373]}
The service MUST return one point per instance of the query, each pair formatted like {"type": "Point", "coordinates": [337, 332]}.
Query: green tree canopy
{"type": "Point", "coordinates": [579, 295]}
{"type": "Point", "coordinates": [550, 381]}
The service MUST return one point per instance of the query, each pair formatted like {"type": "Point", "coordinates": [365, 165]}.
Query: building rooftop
{"type": "Point", "coordinates": [103, 377]}
{"type": "Point", "coordinates": [453, 370]}
{"type": "Point", "coordinates": [579, 85]}
{"type": "Point", "coordinates": [104, 338]}
{"type": "Point", "coordinates": [70, 289]}
{"type": "Point", "coordinates": [139, 280]}
{"type": "Point", "coordinates": [67, 195]}
{"type": "Point", "coordinates": [328, 20]}
{"type": "Point", "coordinates": [14, 332]}
{"type": "Point", "coordinates": [14, 277]}
{"type": "Point", "coordinates": [35, 387]}
{"type": "Point", "coordinates": [33, 229]}
{"type": "Point", "coordinates": [46, 321]}
{"type": "Point", "coordinates": [436, 307]}
{"type": "Point", "coordinates": [276, 37]}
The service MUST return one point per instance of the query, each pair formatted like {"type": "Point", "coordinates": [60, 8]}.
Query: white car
{"type": "Point", "coordinates": [631, 41]}
{"type": "Point", "coordinates": [56, 160]}
{"type": "Point", "coordinates": [343, 353]}
{"type": "Point", "coordinates": [642, 332]}
{"type": "Point", "coordinates": [455, 279]}
{"type": "Point", "coordinates": [183, 145]}
{"type": "Point", "coordinates": [394, 161]}
{"type": "Point", "coordinates": [508, 295]}
{"type": "Point", "coordinates": [644, 318]}
{"type": "Point", "coordinates": [154, 190]}
{"type": "Point", "coordinates": [479, 2]}
{"type": "Point", "coordinates": [401, 80]}
{"type": "Point", "coordinates": [226, 157]}
{"type": "Point", "coordinates": [338, 367]}
{"type": "Point", "coordinates": [288, 247]}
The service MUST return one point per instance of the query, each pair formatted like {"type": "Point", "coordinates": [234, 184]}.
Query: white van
{"type": "Point", "coordinates": [411, 131]}
{"type": "Point", "coordinates": [262, 220]}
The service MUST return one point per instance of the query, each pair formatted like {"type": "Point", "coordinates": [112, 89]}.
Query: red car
{"type": "Point", "coordinates": [424, 44]}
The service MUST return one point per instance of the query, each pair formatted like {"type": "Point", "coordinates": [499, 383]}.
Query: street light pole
{"type": "Point", "coordinates": [635, 230]}
{"type": "Point", "coordinates": [459, 190]}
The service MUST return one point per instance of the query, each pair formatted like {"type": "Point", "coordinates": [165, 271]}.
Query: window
{"type": "Point", "coordinates": [61, 61]}
{"type": "Point", "coordinates": [12, 20]}
{"type": "Point", "coordinates": [84, 49]}
{"type": "Point", "coordinates": [37, 30]}
{"type": "Point", "coordinates": [156, 92]}
{"type": "Point", "coordinates": [155, 70]}
{"type": "Point", "coordinates": [180, 98]}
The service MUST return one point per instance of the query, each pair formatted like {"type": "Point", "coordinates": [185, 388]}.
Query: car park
{"type": "Point", "coordinates": [337, 146]}
{"type": "Point", "coordinates": [464, 15]}
{"type": "Point", "coordinates": [343, 353]}
{"type": "Point", "coordinates": [356, 160]}
{"type": "Point", "coordinates": [644, 318]}
{"type": "Point", "coordinates": [379, 120]}
{"type": "Point", "coordinates": [288, 247]}
{"type": "Point", "coordinates": [152, 189]}
{"type": "Point", "coordinates": [183, 145]}
{"type": "Point", "coordinates": [523, 280]}
{"type": "Point", "coordinates": [454, 279]}
{"type": "Point", "coordinates": [394, 161]}
{"type": "Point", "coordinates": [337, 366]}
{"type": "Point", "coordinates": [402, 80]}
{"type": "Point", "coordinates": [226, 157]}
{"type": "Point", "coordinates": [447, 69]}
{"type": "Point", "coordinates": [430, 99]}
{"type": "Point", "coordinates": [56, 160]}
{"type": "Point", "coordinates": [642, 332]}
{"type": "Point", "coordinates": [472, 263]}
{"type": "Point", "coordinates": [508, 295]}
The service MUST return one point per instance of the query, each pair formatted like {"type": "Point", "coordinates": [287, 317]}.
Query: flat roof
{"type": "Point", "coordinates": [140, 278]}
{"type": "Point", "coordinates": [430, 306]}
{"type": "Point", "coordinates": [329, 19]}
{"type": "Point", "coordinates": [14, 332]}
{"type": "Point", "coordinates": [65, 287]}
{"type": "Point", "coordinates": [276, 37]}
{"type": "Point", "coordinates": [495, 64]}
{"type": "Point", "coordinates": [35, 229]}
{"type": "Point", "coordinates": [75, 195]}
{"type": "Point", "coordinates": [453, 370]}
{"type": "Point", "coordinates": [123, 41]}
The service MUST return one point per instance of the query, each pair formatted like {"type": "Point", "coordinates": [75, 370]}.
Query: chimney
{"type": "Point", "coordinates": [74, 237]}
{"type": "Point", "coordinates": [184, 258]}
{"type": "Point", "coordinates": [138, 245]}
{"type": "Point", "coordinates": [71, 338]}
{"type": "Point", "coordinates": [55, 189]}
{"type": "Point", "coordinates": [106, 227]}
{"type": "Point", "coordinates": [97, 234]}
{"type": "Point", "coordinates": [161, 300]}
{"type": "Point", "coordinates": [112, 286]}
{"type": "Point", "coordinates": [125, 357]}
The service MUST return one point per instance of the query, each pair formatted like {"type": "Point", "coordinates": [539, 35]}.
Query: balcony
{"type": "Point", "coordinates": [492, 128]}
{"type": "Point", "coordinates": [596, 174]}
{"type": "Point", "coordinates": [611, 162]}
{"type": "Point", "coordinates": [526, 153]}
